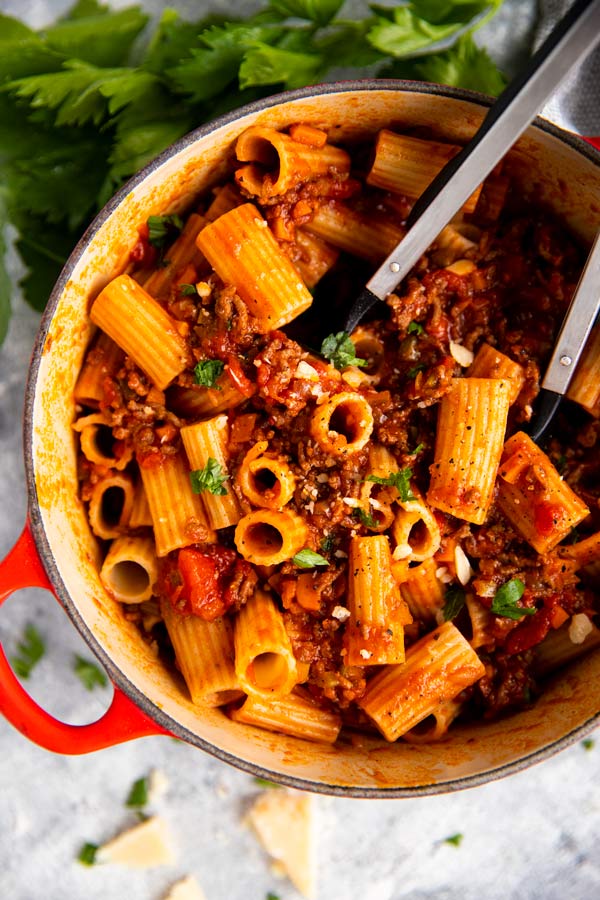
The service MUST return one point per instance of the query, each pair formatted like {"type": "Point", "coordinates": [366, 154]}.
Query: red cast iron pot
{"type": "Point", "coordinates": [58, 552]}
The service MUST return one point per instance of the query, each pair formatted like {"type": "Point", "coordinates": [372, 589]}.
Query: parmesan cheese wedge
{"type": "Point", "coordinates": [283, 821]}
{"type": "Point", "coordinates": [186, 889]}
{"type": "Point", "coordinates": [144, 845]}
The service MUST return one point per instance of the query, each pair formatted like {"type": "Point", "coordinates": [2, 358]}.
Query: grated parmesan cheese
{"type": "Point", "coordinates": [443, 575]}
{"type": "Point", "coordinates": [464, 572]}
{"type": "Point", "coordinates": [305, 370]}
{"type": "Point", "coordinates": [340, 613]}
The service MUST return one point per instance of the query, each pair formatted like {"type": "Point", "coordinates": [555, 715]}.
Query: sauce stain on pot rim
{"type": "Point", "coordinates": [68, 552]}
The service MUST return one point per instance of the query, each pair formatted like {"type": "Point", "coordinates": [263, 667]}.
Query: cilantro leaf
{"type": "Point", "coordinates": [87, 854]}
{"type": "Point", "coordinates": [30, 650]}
{"type": "Point", "coordinates": [505, 602]}
{"type": "Point", "coordinates": [465, 65]}
{"type": "Point", "coordinates": [210, 478]}
{"type": "Point", "coordinates": [321, 12]}
{"type": "Point", "coordinates": [340, 351]}
{"type": "Point", "coordinates": [89, 674]}
{"type": "Point", "coordinates": [306, 559]}
{"type": "Point", "coordinates": [163, 229]}
{"type": "Point", "coordinates": [454, 601]}
{"type": "Point", "coordinates": [400, 480]}
{"type": "Point", "coordinates": [138, 795]}
{"type": "Point", "coordinates": [207, 371]}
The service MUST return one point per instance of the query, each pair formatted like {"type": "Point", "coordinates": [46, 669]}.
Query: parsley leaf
{"type": "Point", "coordinates": [364, 517]}
{"type": "Point", "coordinates": [465, 65]}
{"type": "Point", "coordinates": [307, 558]}
{"type": "Point", "coordinates": [454, 601]}
{"type": "Point", "coordinates": [340, 351]}
{"type": "Point", "coordinates": [412, 373]}
{"type": "Point", "coordinates": [272, 896]}
{"type": "Point", "coordinates": [207, 371]}
{"type": "Point", "coordinates": [210, 478]}
{"type": "Point", "coordinates": [162, 229]}
{"type": "Point", "coordinates": [87, 854]}
{"type": "Point", "coordinates": [263, 782]}
{"type": "Point", "coordinates": [188, 290]}
{"type": "Point", "coordinates": [138, 795]}
{"type": "Point", "coordinates": [263, 64]}
{"type": "Point", "coordinates": [415, 328]}
{"type": "Point", "coordinates": [505, 602]}
{"type": "Point", "coordinates": [400, 480]}
{"type": "Point", "coordinates": [30, 650]}
{"type": "Point", "coordinates": [327, 543]}
{"type": "Point", "coordinates": [588, 743]}
{"type": "Point", "coordinates": [102, 39]}
{"type": "Point", "coordinates": [454, 840]}
{"type": "Point", "coordinates": [89, 673]}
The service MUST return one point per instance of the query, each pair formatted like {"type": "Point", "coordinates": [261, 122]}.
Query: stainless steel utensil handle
{"type": "Point", "coordinates": [576, 326]}
{"type": "Point", "coordinates": [572, 39]}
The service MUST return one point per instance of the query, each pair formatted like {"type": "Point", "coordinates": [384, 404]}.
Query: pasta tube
{"type": "Point", "coordinates": [280, 162]}
{"type": "Point", "coordinates": [268, 537]}
{"type": "Point", "coordinates": [130, 570]}
{"type": "Point", "coordinates": [533, 496]}
{"type": "Point", "coordinates": [142, 328]}
{"type": "Point", "coordinates": [177, 512]}
{"type": "Point", "coordinates": [204, 653]}
{"type": "Point", "coordinates": [369, 237]}
{"type": "Point", "coordinates": [437, 668]}
{"type": "Point", "coordinates": [375, 630]}
{"type": "Point", "coordinates": [202, 441]}
{"type": "Point", "coordinates": [110, 506]}
{"type": "Point", "coordinates": [102, 361]}
{"type": "Point", "coordinates": [242, 250]}
{"type": "Point", "coordinates": [182, 253]}
{"type": "Point", "coordinates": [585, 384]}
{"type": "Point", "coordinates": [264, 660]}
{"type": "Point", "coordinates": [490, 363]}
{"type": "Point", "coordinates": [470, 434]}
{"type": "Point", "coordinates": [96, 442]}
{"type": "Point", "coordinates": [294, 714]}
{"type": "Point", "coordinates": [266, 481]}
{"type": "Point", "coordinates": [343, 425]}
{"type": "Point", "coordinates": [423, 591]}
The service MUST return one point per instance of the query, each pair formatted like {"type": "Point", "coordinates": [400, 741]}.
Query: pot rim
{"type": "Point", "coordinates": [116, 675]}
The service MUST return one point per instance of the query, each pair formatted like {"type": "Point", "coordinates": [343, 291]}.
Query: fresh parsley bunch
{"type": "Point", "coordinates": [89, 100]}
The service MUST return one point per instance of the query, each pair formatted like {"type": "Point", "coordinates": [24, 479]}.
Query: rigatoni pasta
{"type": "Point", "coordinates": [356, 533]}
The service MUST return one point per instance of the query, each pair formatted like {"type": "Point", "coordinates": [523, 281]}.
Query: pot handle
{"type": "Point", "coordinates": [122, 721]}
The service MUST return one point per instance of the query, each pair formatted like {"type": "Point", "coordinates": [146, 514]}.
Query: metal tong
{"type": "Point", "coordinates": [573, 38]}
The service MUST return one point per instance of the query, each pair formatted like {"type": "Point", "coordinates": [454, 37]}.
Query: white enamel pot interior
{"type": "Point", "coordinates": [552, 167]}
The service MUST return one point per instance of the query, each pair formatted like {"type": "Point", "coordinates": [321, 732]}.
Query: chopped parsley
{"type": "Point", "coordinates": [505, 602]}
{"type": "Point", "coordinates": [207, 371]}
{"type": "Point", "coordinates": [272, 896]}
{"type": "Point", "coordinates": [340, 351]}
{"type": "Point", "coordinates": [163, 229]}
{"type": "Point", "coordinates": [588, 743]}
{"type": "Point", "coordinates": [30, 650]}
{"type": "Point", "coordinates": [87, 854]}
{"type": "Point", "coordinates": [188, 290]}
{"type": "Point", "coordinates": [327, 543]}
{"type": "Point", "coordinates": [454, 601]}
{"type": "Point", "coordinates": [307, 558]}
{"type": "Point", "coordinates": [400, 480]}
{"type": "Point", "coordinates": [455, 840]}
{"type": "Point", "coordinates": [417, 449]}
{"type": "Point", "coordinates": [412, 373]}
{"type": "Point", "coordinates": [138, 795]}
{"type": "Point", "coordinates": [415, 328]}
{"type": "Point", "coordinates": [89, 674]}
{"type": "Point", "coordinates": [265, 783]}
{"type": "Point", "coordinates": [364, 517]}
{"type": "Point", "coordinates": [210, 478]}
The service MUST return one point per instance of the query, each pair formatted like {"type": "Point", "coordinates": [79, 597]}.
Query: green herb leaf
{"type": "Point", "coordinates": [415, 328]}
{"type": "Point", "coordinates": [188, 290]}
{"type": "Point", "coordinates": [327, 543]}
{"type": "Point", "coordinates": [321, 12]}
{"type": "Point", "coordinates": [30, 650]}
{"type": "Point", "coordinates": [103, 39]}
{"type": "Point", "coordinates": [364, 517]}
{"type": "Point", "coordinates": [588, 743]}
{"type": "Point", "coordinates": [89, 673]}
{"type": "Point", "coordinates": [417, 449]}
{"type": "Point", "coordinates": [412, 373]}
{"type": "Point", "coordinates": [340, 351]}
{"type": "Point", "coordinates": [454, 601]}
{"type": "Point", "coordinates": [399, 480]}
{"type": "Point", "coordinates": [263, 782]}
{"type": "Point", "coordinates": [210, 478]}
{"type": "Point", "coordinates": [272, 896]}
{"type": "Point", "coordinates": [162, 229]}
{"type": "Point", "coordinates": [465, 65]}
{"type": "Point", "coordinates": [207, 371]}
{"type": "Point", "coordinates": [138, 795]}
{"type": "Point", "coordinates": [454, 839]}
{"type": "Point", "coordinates": [263, 64]}
{"type": "Point", "coordinates": [307, 558]}
{"type": "Point", "coordinates": [87, 854]}
{"type": "Point", "coordinates": [408, 35]}
{"type": "Point", "coordinates": [506, 598]}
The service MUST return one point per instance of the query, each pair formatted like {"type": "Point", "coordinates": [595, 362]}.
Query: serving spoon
{"type": "Point", "coordinates": [572, 39]}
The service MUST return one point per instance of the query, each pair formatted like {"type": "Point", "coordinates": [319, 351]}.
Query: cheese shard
{"type": "Point", "coordinates": [144, 845]}
{"type": "Point", "coordinates": [186, 889]}
{"type": "Point", "coordinates": [283, 821]}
